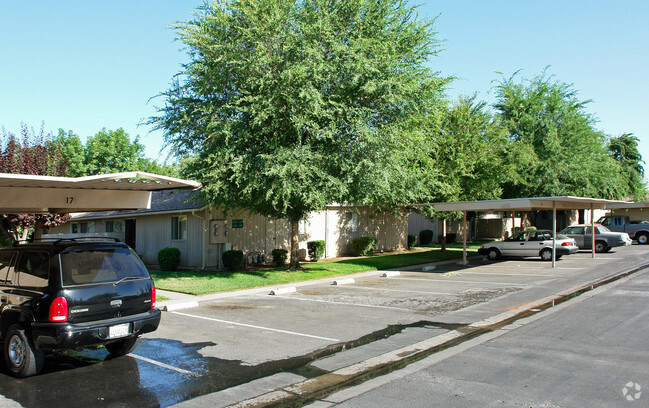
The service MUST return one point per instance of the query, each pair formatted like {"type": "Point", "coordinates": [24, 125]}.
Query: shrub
{"type": "Point", "coordinates": [363, 246]}
{"type": "Point", "coordinates": [412, 240]}
{"type": "Point", "coordinates": [425, 237]}
{"type": "Point", "coordinates": [531, 228]}
{"type": "Point", "coordinates": [169, 259]}
{"type": "Point", "coordinates": [232, 259]}
{"type": "Point", "coordinates": [450, 238]}
{"type": "Point", "coordinates": [316, 249]}
{"type": "Point", "coordinates": [279, 256]}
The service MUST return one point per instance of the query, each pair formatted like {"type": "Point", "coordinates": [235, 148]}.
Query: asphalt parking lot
{"type": "Point", "coordinates": [239, 345]}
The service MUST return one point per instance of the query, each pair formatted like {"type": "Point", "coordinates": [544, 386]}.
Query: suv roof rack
{"type": "Point", "coordinates": [55, 240]}
{"type": "Point", "coordinates": [84, 239]}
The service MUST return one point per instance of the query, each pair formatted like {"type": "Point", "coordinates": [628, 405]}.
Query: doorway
{"type": "Point", "coordinates": [129, 233]}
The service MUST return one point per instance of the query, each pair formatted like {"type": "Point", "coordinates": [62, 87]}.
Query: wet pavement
{"type": "Point", "coordinates": [239, 345]}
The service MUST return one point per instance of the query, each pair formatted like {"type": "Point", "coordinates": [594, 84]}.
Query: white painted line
{"type": "Point", "coordinates": [282, 291]}
{"type": "Point", "coordinates": [511, 274]}
{"type": "Point", "coordinates": [403, 290]}
{"type": "Point", "coordinates": [466, 281]}
{"type": "Point", "coordinates": [344, 281]}
{"type": "Point", "coordinates": [349, 304]}
{"type": "Point", "coordinates": [390, 274]}
{"type": "Point", "coordinates": [257, 327]}
{"type": "Point", "coordinates": [167, 366]}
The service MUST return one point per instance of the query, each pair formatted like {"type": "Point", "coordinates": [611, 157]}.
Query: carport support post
{"type": "Point", "coordinates": [554, 234]}
{"type": "Point", "coordinates": [592, 228]}
{"type": "Point", "coordinates": [464, 261]}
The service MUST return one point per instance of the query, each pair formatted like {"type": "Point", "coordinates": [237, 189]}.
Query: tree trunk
{"type": "Point", "coordinates": [295, 258]}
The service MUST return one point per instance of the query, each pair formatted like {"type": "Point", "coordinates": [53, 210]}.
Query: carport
{"type": "Point", "coordinates": [31, 194]}
{"type": "Point", "coordinates": [529, 204]}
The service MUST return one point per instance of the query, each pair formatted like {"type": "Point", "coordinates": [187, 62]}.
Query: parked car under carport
{"type": "Point", "coordinates": [530, 243]}
{"type": "Point", "coordinates": [605, 239]}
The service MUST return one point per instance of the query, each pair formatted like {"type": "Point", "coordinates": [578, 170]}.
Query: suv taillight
{"type": "Point", "coordinates": [153, 296]}
{"type": "Point", "coordinates": [59, 310]}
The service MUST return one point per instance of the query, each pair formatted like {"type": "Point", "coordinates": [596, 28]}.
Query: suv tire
{"type": "Point", "coordinates": [21, 357]}
{"type": "Point", "coordinates": [121, 347]}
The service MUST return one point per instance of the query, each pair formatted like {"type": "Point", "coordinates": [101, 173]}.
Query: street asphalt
{"type": "Point", "coordinates": [591, 351]}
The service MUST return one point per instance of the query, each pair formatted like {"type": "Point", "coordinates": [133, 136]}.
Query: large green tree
{"type": "Point", "coordinates": [286, 105]}
{"type": "Point", "coordinates": [112, 151]}
{"type": "Point", "coordinates": [556, 149]}
{"type": "Point", "coordinates": [624, 149]}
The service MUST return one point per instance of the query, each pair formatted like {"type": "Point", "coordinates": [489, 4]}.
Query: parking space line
{"type": "Point", "coordinates": [167, 366]}
{"type": "Point", "coordinates": [464, 281]}
{"type": "Point", "coordinates": [331, 302]}
{"type": "Point", "coordinates": [399, 290]}
{"type": "Point", "coordinates": [257, 327]}
{"type": "Point", "coordinates": [510, 274]}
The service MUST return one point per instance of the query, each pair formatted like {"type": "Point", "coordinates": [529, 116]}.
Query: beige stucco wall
{"type": "Point", "coordinates": [635, 214]}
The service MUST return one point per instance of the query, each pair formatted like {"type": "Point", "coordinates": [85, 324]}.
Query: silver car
{"type": "Point", "coordinates": [605, 239]}
{"type": "Point", "coordinates": [530, 243]}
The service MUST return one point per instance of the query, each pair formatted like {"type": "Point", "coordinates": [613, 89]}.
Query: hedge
{"type": "Point", "coordinates": [425, 237]}
{"type": "Point", "coordinates": [412, 240]}
{"type": "Point", "coordinates": [233, 259]}
{"type": "Point", "coordinates": [363, 246]}
{"type": "Point", "coordinates": [279, 256]}
{"type": "Point", "coordinates": [169, 259]}
{"type": "Point", "coordinates": [316, 249]}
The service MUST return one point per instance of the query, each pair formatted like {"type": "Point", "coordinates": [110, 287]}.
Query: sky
{"type": "Point", "coordinates": [87, 65]}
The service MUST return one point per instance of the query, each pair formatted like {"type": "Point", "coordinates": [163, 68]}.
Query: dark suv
{"type": "Point", "coordinates": [70, 294]}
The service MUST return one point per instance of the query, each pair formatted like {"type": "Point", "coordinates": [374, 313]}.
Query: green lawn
{"type": "Point", "coordinates": [200, 283]}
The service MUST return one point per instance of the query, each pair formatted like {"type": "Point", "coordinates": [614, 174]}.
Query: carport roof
{"type": "Point", "coordinates": [528, 204]}
{"type": "Point", "coordinates": [135, 180]}
{"type": "Point", "coordinates": [21, 193]}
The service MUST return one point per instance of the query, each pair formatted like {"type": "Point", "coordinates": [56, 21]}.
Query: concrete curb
{"type": "Point", "coordinates": [315, 388]}
{"type": "Point", "coordinates": [178, 305]}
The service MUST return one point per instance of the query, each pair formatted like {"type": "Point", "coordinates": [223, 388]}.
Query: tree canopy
{"type": "Point", "coordinates": [34, 153]}
{"type": "Point", "coordinates": [108, 151]}
{"type": "Point", "coordinates": [287, 106]}
{"type": "Point", "coordinates": [624, 149]}
{"type": "Point", "coordinates": [556, 150]}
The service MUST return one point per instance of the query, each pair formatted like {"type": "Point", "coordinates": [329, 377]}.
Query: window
{"type": "Point", "coordinates": [5, 263]}
{"type": "Point", "coordinates": [237, 223]}
{"type": "Point", "coordinates": [179, 227]}
{"type": "Point", "coordinates": [114, 226]}
{"type": "Point", "coordinates": [33, 269]}
{"type": "Point", "coordinates": [82, 228]}
{"type": "Point", "coordinates": [575, 230]}
{"type": "Point", "coordinates": [100, 265]}
{"type": "Point", "coordinates": [352, 219]}
{"type": "Point", "coordinates": [301, 227]}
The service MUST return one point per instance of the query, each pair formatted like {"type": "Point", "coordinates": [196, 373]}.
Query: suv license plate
{"type": "Point", "coordinates": [119, 330]}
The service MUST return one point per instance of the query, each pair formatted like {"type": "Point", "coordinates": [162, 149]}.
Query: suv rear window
{"type": "Point", "coordinates": [98, 265]}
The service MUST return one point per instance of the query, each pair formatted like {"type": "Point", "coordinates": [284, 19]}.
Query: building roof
{"type": "Point", "coordinates": [164, 201]}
